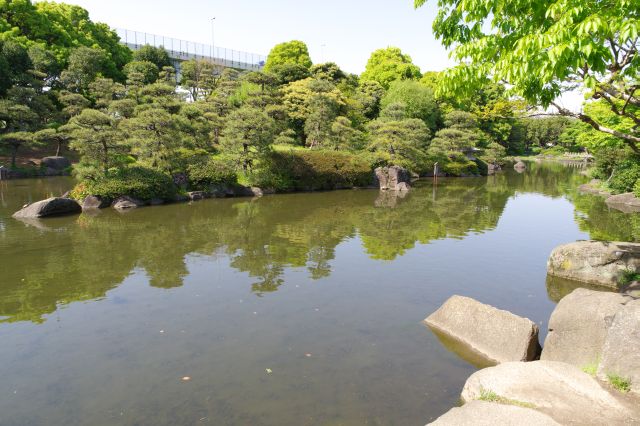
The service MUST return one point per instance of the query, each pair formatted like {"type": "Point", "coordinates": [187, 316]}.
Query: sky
{"type": "Point", "coordinates": [341, 31]}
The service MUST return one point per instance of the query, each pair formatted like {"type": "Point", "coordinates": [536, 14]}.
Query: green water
{"type": "Point", "coordinates": [102, 316]}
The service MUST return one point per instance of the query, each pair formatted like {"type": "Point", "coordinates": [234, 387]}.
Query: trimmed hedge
{"type": "Point", "coordinates": [313, 170]}
{"type": "Point", "coordinates": [138, 182]}
{"type": "Point", "coordinates": [213, 171]}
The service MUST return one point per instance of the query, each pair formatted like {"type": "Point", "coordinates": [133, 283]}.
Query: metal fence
{"type": "Point", "coordinates": [184, 50]}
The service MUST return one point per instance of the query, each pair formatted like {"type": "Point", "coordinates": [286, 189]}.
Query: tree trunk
{"type": "Point", "coordinates": [58, 148]}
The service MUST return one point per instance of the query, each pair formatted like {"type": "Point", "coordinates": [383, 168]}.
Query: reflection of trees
{"type": "Point", "coordinates": [81, 258]}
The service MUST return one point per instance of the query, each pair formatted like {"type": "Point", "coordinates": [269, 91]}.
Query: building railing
{"type": "Point", "coordinates": [184, 50]}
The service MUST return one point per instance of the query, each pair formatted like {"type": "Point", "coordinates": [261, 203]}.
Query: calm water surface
{"type": "Point", "coordinates": [300, 309]}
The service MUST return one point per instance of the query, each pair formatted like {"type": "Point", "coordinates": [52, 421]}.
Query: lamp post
{"type": "Point", "coordinates": [213, 46]}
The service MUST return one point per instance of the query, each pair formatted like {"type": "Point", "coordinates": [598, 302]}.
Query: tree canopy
{"type": "Point", "coordinates": [293, 52]}
{"type": "Point", "coordinates": [389, 64]}
{"type": "Point", "coordinates": [543, 48]}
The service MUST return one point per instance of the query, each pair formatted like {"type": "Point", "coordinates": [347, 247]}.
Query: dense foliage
{"type": "Point", "coordinates": [294, 125]}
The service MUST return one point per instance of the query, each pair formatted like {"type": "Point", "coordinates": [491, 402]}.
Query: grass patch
{"type": "Point", "coordinates": [490, 396]}
{"type": "Point", "coordinates": [619, 382]}
{"type": "Point", "coordinates": [591, 369]}
{"type": "Point", "coordinates": [628, 276]}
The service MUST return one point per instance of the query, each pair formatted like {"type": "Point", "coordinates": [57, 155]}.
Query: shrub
{"type": "Point", "coordinates": [460, 168]}
{"type": "Point", "coordinates": [313, 170]}
{"type": "Point", "coordinates": [625, 176]}
{"type": "Point", "coordinates": [213, 171]}
{"type": "Point", "coordinates": [138, 182]}
{"type": "Point", "coordinates": [636, 189]}
{"type": "Point", "coordinates": [620, 383]}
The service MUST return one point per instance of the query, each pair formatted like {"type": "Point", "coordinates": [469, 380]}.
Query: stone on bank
{"type": "Point", "coordinates": [497, 335]}
{"type": "Point", "coordinates": [560, 390]}
{"type": "Point", "coordinates": [595, 262]}
{"type": "Point", "coordinates": [578, 326]}
{"type": "Point", "coordinates": [481, 413]}
{"type": "Point", "coordinates": [621, 349]}
{"type": "Point", "coordinates": [394, 178]}
{"type": "Point", "coordinates": [50, 207]}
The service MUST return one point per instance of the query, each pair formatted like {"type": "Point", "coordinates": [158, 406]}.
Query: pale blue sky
{"type": "Point", "coordinates": [349, 29]}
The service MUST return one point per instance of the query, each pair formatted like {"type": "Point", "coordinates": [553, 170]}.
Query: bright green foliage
{"type": "Point", "coordinates": [61, 28]}
{"type": "Point", "coordinates": [147, 70]}
{"type": "Point", "coordinates": [369, 94]}
{"type": "Point", "coordinates": [328, 71]}
{"type": "Point", "coordinates": [545, 47]}
{"type": "Point", "coordinates": [154, 137]}
{"type": "Point", "coordinates": [390, 64]}
{"type": "Point", "coordinates": [403, 141]}
{"type": "Point", "coordinates": [459, 138]}
{"type": "Point", "coordinates": [156, 55]}
{"type": "Point", "coordinates": [288, 73]}
{"type": "Point", "coordinates": [418, 101]}
{"type": "Point", "coordinates": [344, 136]}
{"type": "Point", "coordinates": [293, 52]}
{"type": "Point", "coordinates": [544, 131]}
{"type": "Point", "coordinates": [620, 383]}
{"type": "Point", "coordinates": [85, 64]}
{"type": "Point", "coordinates": [97, 139]}
{"type": "Point", "coordinates": [323, 106]}
{"type": "Point", "coordinates": [211, 171]}
{"type": "Point", "coordinates": [494, 153]}
{"type": "Point", "coordinates": [248, 136]}
{"type": "Point", "coordinates": [313, 170]}
{"type": "Point", "coordinates": [624, 176]}
{"type": "Point", "coordinates": [200, 78]}
{"type": "Point", "coordinates": [138, 182]}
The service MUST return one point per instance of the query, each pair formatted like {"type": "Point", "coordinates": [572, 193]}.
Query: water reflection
{"type": "Point", "coordinates": [61, 260]}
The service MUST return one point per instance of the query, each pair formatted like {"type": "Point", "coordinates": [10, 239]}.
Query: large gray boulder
{"type": "Point", "coordinates": [560, 390]}
{"type": "Point", "coordinates": [481, 413]}
{"type": "Point", "coordinates": [126, 203]}
{"type": "Point", "coordinates": [498, 335]}
{"type": "Point", "coordinates": [626, 203]}
{"type": "Point", "coordinates": [50, 207]}
{"type": "Point", "coordinates": [578, 326]}
{"type": "Point", "coordinates": [595, 262]}
{"type": "Point", "coordinates": [55, 163]}
{"type": "Point", "coordinates": [394, 178]}
{"type": "Point", "coordinates": [621, 351]}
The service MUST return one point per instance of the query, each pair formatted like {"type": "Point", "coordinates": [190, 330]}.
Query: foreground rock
{"type": "Point", "coordinates": [126, 203]}
{"type": "Point", "coordinates": [621, 351]}
{"type": "Point", "coordinates": [480, 413]}
{"type": "Point", "coordinates": [498, 335]}
{"type": "Point", "coordinates": [56, 163]}
{"type": "Point", "coordinates": [595, 262]}
{"type": "Point", "coordinates": [578, 326]}
{"type": "Point", "coordinates": [626, 203]}
{"type": "Point", "coordinates": [393, 178]}
{"type": "Point", "coordinates": [49, 207]}
{"type": "Point", "coordinates": [560, 390]}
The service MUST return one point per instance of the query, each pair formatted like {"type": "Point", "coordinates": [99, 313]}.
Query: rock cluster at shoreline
{"type": "Point", "coordinates": [626, 203]}
{"type": "Point", "coordinates": [589, 370]}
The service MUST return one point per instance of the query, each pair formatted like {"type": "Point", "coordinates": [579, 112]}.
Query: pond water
{"type": "Point", "coordinates": [297, 309]}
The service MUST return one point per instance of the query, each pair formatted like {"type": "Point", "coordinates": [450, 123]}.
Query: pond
{"type": "Point", "coordinates": [296, 309]}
